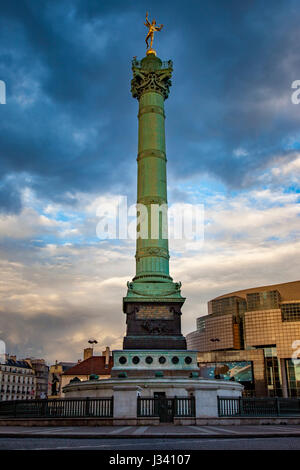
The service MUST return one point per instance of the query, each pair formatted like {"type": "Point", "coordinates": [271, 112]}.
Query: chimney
{"type": "Point", "coordinates": [106, 353]}
{"type": "Point", "coordinates": [87, 353]}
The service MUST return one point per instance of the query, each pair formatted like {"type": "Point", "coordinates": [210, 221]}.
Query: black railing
{"type": "Point", "coordinates": [58, 408]}
{"type": "Point", "coordinates": [165, 64]}
{"type": "Point", "coordinates": [185, 407]}
{"type": "Point", "coordinates": [256, 407]}
{"type": "Point", "coordinates": [147, 407]}
{"type": "Point", "coordinates": [151, 407]}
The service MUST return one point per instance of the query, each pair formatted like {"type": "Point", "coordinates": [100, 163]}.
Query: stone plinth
{"type": "Point", "coordinates": [125, 401]}
{"type": "Point", "coordinates": [153, 326]}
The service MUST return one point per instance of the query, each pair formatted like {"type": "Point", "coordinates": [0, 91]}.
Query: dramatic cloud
{"type": "Point", "coordinates": [68, 138]}
{"type": "Point", "coordinates": [55, 295]}
{"type": "Point", "coordinates": [70, 122]}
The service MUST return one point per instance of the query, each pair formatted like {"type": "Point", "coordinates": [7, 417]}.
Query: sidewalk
{"type": "Point", "coordinates": [155, 432]}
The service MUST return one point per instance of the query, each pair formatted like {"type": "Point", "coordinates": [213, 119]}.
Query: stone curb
{"type": "Point", "coordinates": [148, 436]}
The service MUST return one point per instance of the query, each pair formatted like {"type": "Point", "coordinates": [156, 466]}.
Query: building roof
{"type": "Point", "coordinates": [13, 363]}
{"type": "Point", "coordinates": [288, 291]}
{"type": "Point", "coordinates": [66, 365]}
{"type": "Point", "coordinates": [92, 365]}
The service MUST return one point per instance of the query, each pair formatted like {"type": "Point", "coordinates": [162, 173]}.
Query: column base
{"type": "Point", "coordinates": [154, 342]}
{"type": "Point", "coordinates": [154, 325]}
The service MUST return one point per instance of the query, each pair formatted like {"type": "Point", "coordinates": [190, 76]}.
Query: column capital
{"type": "Point", "coordinates": [151, 75]}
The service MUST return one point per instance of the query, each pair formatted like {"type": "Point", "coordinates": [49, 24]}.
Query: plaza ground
{"type": "Point", "coordinates": [130, 444]}
{"type": "Point", "coordinates": [163, 437]}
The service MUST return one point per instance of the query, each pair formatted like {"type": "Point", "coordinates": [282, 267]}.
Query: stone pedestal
{"type": "Point", "coordinates": [153, 326]}
{"type": "Point", "coordinates": [125, 404]}
{"type": "Point", "coordinates": [206, 403]}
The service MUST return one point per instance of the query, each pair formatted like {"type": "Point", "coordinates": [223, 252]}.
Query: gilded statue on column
{"type": "Point", "coordinates": [152, 28]}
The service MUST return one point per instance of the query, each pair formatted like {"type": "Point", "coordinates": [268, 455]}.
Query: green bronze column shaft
{"type": "Point", "coordinates": [152, 282]}
{"type": "Point", "coordinates": [152, 255]}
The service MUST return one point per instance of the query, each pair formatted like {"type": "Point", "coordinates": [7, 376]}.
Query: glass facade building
{"type": "Point", "coordinates": [260, 325]}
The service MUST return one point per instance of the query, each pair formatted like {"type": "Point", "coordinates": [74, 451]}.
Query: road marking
{"type": "Point", "coordinates": [73, 447]}
{"type": "Point", "coordinates": [140, 430]}
{"type": "Point", "coordinates": [118, 431]}
{"type": "Point", "coordinates": [230, 431]}
{"type": "Point", "coordinates": [134, 445]}
{"type": "Point", "coordinates": [202, 429]}
{"type": "Point", "coordinates": [54, 430]}
{"type": "Point", "coordinates": [283, 428]}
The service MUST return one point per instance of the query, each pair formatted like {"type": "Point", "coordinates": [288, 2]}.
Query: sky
{"type": "Point", "coordinates": [68, 144]}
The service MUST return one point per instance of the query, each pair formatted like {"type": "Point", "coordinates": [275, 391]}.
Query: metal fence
{"type": "Point", "coordinates": [185, 407]}
{"type": "Point", "coordinates": [258, 407]}
{"type": "Point", "coordinates": [58, 408]}
{"type": "Point", "coordinates": [153, 407]}
{"type": "Point", "coordinates": [147, 407]}
{"type": "Point", "coordinates": [165, 64]}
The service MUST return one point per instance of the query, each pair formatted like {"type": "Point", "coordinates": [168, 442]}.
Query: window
{"type": "Point", "coordinates": [233, 305]}
{"type": "Point", "coordinates": [290, 312]}
{"type": "Point", "coordinates": [200, 324]}
{"type": "Point", "coordinates": [293, 376]}
{"type": "Point", "coordinates": [266, 300]}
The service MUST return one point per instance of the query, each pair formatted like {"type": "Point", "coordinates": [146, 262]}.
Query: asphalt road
{"type": "Point", "coordinates": [250, 443]}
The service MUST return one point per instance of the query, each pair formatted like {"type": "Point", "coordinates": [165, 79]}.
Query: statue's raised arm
{"type": "Point", "coordinates": [147, 21]}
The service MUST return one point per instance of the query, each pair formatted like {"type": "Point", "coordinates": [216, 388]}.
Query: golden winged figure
{"type": "Point", "coordinates": [152, 29]}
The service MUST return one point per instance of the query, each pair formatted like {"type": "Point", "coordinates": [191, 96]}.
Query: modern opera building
{"type": "Point", "coordinates": [253, 336]}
